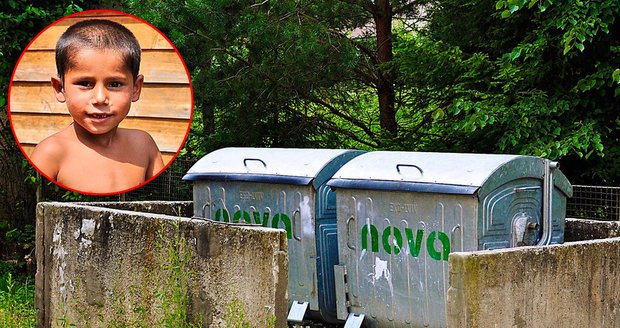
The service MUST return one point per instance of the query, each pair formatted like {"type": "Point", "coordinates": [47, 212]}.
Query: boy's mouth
{"type": "Point", "coordinates": [99, 116]}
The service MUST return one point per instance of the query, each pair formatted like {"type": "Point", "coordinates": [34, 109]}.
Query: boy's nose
{"type": "Point", "coordinates": [100, 96]}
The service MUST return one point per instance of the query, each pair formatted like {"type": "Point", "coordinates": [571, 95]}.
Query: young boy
{"type": "Point", "coordinates": [98, 62]}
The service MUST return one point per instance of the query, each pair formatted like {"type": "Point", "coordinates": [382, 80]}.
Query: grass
{"type": "Point", "coordinates": [17, 308]}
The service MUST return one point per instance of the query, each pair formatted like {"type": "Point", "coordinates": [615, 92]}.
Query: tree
{"type": "Point", "coordinates": [474, 76]}
{"type": "Point", "coordinates": [288, 73]}
{"type": "Point", "coordinates": [20, 22]}
{"type": "Point", "coordinates": [537, 81]}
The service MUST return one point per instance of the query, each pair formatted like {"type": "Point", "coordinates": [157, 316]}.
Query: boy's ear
{"type": "Point", "coordinates": [57, 85]}
{"type": "Point", "coordinates": [137, 88]}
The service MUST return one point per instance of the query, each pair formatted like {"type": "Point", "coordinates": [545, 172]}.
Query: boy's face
{"type": "Point", "coordinates": [98, 89]}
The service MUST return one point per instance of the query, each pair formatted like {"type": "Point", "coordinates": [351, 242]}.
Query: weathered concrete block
{"type": "Point", "coordinates": [571, 285]}
{"type": "Point", "coordinates": [102, 267]}
{"type": "Point", "coordinates": [582, 229]}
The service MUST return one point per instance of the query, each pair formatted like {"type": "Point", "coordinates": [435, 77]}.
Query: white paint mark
{"type": "Point", "coordinates": [71, 286]}
{"type": "Point", "coordinates": [61, 272]}
{"type": "Point", "coordinates": [381, 270]}
{"type": "Point", "coordinates": [363, 254]}
{"type": "Point", "coordinates": [57, 233]}
{"type": "Point", "coordinates": [86, 242]}
{"type": "Point", "coordinates": [305, 212]}
{"type": "Point", "coordinates": [59, 253]}
{"type": "Point", "coordinates": [88, 227]}
{"type": "Point", "coordinates": [87, 231]}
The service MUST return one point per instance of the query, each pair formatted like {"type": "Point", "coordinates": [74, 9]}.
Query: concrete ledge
{"type": "Point", "coordinates": [184, 208]}
{"type": "Point", "coordinates": [571, 285]}
{"type": "Point", "coordinates": [582, 229]}
{"type": "Point", "coordinates": [102, 267]}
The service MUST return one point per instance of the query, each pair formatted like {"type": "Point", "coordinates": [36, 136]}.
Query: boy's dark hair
{"type": "Point", "coordinates": [97, 34]}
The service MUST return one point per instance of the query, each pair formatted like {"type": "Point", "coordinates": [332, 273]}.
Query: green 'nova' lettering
{"type": "Point", "coordinates": [415, 243]}
{"type": "Point", "coordinates": [393, 245]}
{"type": "Point", "coordinates": [276, 222]}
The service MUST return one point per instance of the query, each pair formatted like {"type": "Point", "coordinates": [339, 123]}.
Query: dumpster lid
{"type": "Point", "coordinates": [274, 165]}
{"type": "Point", "coordinates": [454, 173]}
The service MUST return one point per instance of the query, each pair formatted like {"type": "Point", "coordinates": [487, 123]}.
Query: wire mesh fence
{"type": "Point", "coordinates": [167, 186]}
{"type": "Point", "coordinates": [594, 202]}
{"type": "Point", "coordinates": [588, 202]}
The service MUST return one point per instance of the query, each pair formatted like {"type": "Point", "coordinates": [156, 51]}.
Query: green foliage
{"type": "Point", "coordinates": [512, 76]}
{"type": "Point", "coordinates": [165, 292]}
{"type": "Point", "coordinates": [580, 21]}
{"type": "Point", "coordinates": [528, 77]}
{"type": "Point", "coordinates": [20, 21]}
{"type": "Point", "coordinates": [235, 316]}
{"type": "Point", "coordinates": [172, 294]}
{"type": "Point", "coordinates": [616, 75]}
{"type": "Point", "coordinates": [277, 73]}
{"type": "Point", "coordinates": [23, 237]}
{"type": "Point", "coordinates": [159, 299]}
{"type": "Point", "coordinates": [16, 301]}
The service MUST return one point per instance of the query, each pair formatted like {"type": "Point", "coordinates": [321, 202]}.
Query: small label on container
{"type": "Point", "coordinates": [402, 208]}
{"type": "Point", "coordinates": [251, 195]}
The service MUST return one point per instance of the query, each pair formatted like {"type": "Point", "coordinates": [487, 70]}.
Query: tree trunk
{"type": "Point", "coordinates": [208, 119]}
{"type": "Point", "coordinates": [385, 88]}
{"type": "Point", "coordinates": [208, 115]}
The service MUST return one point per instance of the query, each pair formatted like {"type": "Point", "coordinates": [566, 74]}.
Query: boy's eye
{"type": "Point", "coordinates": [116, 84]}
{"type": "Point", "coordinates": [86, 84]}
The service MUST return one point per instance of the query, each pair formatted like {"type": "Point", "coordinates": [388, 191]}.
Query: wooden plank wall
{"type": "Point", "coordinates": [164, 108]}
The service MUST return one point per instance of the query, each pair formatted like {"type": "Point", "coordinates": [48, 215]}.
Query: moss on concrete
{"type": "Point", "coordinates": [105, 267]}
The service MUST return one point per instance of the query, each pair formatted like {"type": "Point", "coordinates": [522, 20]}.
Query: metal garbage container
{"type": "Point", "coordinates": [280, 188]}
{"type": "Point", "coordinates": [400, 214]}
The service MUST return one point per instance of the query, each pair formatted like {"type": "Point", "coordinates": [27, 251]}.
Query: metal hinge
{"type": "Point", "coordinates": [343, 302]}
{"type": "Point", "coordinates": [342, 297]}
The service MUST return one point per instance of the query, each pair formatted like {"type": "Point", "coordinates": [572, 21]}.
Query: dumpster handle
{"type": "Point", "coordinates": [293, 224]}
{"type": "Point", "coordinates": [246, 160]}
{"type": "Point", "coordinates": [453, 234]}
{"type": "Point", "coordinates": [398, 166]}
{"type": "Point", "coordinates": [352, 218]}
{"type": "Point", "coordinates": [548, 185]}
{"type": "Point", "coordinates": [204, 212]}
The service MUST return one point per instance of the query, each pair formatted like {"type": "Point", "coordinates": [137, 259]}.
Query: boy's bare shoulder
{"type": "Point", "coordinates": [48, 154]}
{"type": "Point", "coordinates": [138, 138]}
{"type": "Point", "coordinates": [142, 140]}
{"type": "Point", "coordinates": [54, 145]}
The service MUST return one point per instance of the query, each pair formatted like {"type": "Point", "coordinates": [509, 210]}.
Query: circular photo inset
{"type": "Point", "coordinates": [100, 102]}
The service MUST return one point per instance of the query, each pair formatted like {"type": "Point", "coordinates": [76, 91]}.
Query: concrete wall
{"type": "Point", "coordinates": [582, 229]}
{"type": "Point", "coordinates": [576, 284]}
{"type": "Point", "coordinates": [102, 267]}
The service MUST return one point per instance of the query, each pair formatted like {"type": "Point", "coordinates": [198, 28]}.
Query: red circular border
{"type": "Point", "coordinates": [191, 115]}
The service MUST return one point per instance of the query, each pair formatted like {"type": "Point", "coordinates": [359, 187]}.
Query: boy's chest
{"type": "Point", "coordinates": [100, 173]}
